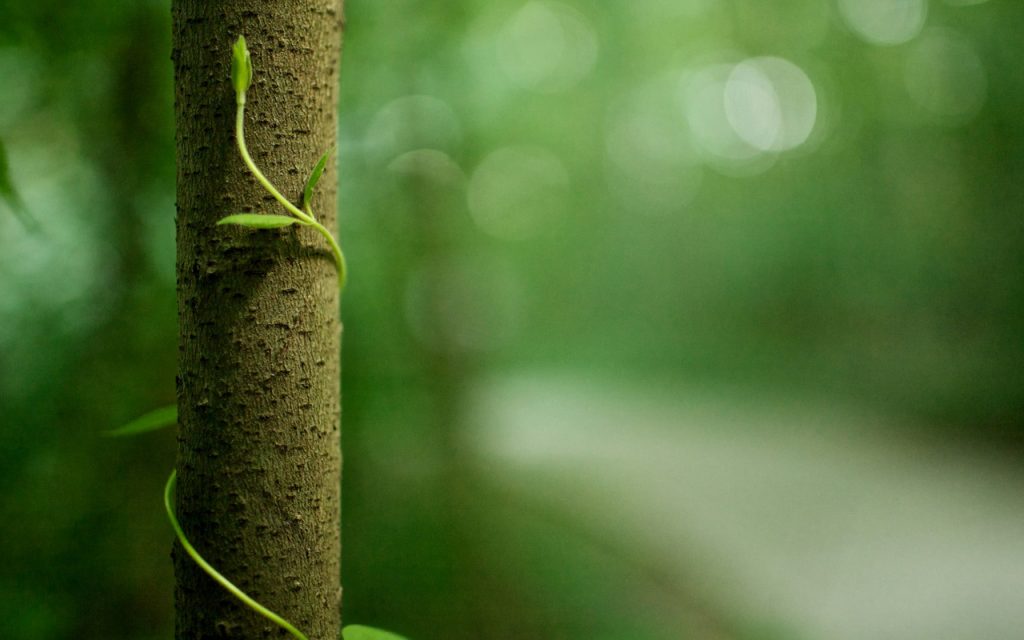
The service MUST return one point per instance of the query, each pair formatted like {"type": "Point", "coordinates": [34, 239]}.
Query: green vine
{"type": "Point", "coordinates": [241, 79]}
{"type": "Point", "coordinates": [213, 573]}
{"type": "Point", "coordinates": [165, 417]}
{"type": "Point", "coordinates": [158, 419]}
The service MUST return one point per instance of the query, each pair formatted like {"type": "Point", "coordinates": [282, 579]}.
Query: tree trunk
{"type": "Point", "coordinates": [259, 457]}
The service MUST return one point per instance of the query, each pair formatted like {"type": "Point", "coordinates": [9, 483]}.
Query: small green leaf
{"type": "Point", "coordinates": [259, 220]}
{"type": "Point", "coordinates": [156, 419]}
{"type": "Point", "coordinates": [314, 177]}
{"type": "Point", "coordinates": [359, 632]}
{"type": "Point", "coordinates": [10, 195]}
{"type": "Point", "coordinates": [241, 67]}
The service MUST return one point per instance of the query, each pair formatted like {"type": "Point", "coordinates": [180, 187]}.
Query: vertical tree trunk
{"type": "Point", "coordinates": [258, 387]}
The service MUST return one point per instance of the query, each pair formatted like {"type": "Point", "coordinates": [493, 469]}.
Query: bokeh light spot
{"type": "Point", "coordinates": [547, 47]}
{"type": "Point", "coordinates": [412, 122]}
{"type": "Point", "coordinates": [436, 166]}
{"type": "Point", "coordinates": [702, 95]}
{"type": "Point", "coordinates": [884, 22]}
{"type": "Point", "coordinates": [704, 104]}
{"type": "Point", "coordinates": [770, 103]}
{"type": "Point", "coordinates": [945, 76]}
{"type": "Point", "coordinates": [517, 190]}
{"type": "Point", "coordinates": [652, 165]}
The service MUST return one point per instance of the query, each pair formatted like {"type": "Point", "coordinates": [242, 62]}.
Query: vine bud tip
{"type": "Point", "coordinates": [241, 67]}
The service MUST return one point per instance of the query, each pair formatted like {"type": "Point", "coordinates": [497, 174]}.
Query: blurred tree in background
{"type": "Point", "coordinates": [715, 208]}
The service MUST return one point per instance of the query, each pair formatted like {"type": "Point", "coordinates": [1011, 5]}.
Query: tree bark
{"type": "Point", "coordinates": [259, 457]}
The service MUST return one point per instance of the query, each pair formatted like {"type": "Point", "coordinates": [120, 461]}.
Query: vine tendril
{"type": "Point", "coordinates": [213, 573]}
{"type": "Point", "coordinates": [241, 78]}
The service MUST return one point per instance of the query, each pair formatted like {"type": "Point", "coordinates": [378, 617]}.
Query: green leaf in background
{"type": "Point", "coordinates": [241, 67]}
{"type": "Point", "coordinates": [259, 220]}
{"type": "Point", "coordinates": [9, 194]}
{"type": "Point", "coordinates": [314, 177]}
{"type": "Point", "coordinates": [156, 419]}
{"type": "Point", "coordinates": [359, 632]}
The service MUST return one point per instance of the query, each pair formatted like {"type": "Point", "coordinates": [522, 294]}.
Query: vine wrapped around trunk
{"type": "Point", "coordinates": [259, 337]}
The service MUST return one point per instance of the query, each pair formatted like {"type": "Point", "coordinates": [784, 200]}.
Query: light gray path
{"type": "Point", "coordinates": [837, 525]}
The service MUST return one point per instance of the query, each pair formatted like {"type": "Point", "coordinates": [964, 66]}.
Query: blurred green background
{"type": "Point", "coordinates": [667, 318]}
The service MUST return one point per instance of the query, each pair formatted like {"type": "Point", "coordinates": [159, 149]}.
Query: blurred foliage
{"type": "Point", "coordinates": [793, 195]}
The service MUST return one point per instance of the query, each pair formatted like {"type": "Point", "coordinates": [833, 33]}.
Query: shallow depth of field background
{"type": "Point", "coordinates": [667, 319]}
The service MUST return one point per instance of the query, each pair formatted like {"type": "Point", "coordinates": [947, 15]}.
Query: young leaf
{"type": "Point", "coordinates": [259, 220]}
{"type": "Point", "coordinates": [156, 419]}
{"type": "Point", "coordinates": [10, 195]}
{"type": "Point", "coordinates": [359, 632]}
{"type": "Point", "coordinates": [241, 67]}
{"type": "Point", "coordinates": [314, 177]}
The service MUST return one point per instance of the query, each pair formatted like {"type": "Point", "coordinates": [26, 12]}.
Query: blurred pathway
{"type": "Point", "coordinates": [831, 526]}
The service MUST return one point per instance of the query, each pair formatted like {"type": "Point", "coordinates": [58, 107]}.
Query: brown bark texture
{"type": "Point", "coordinates": [259, 457]}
